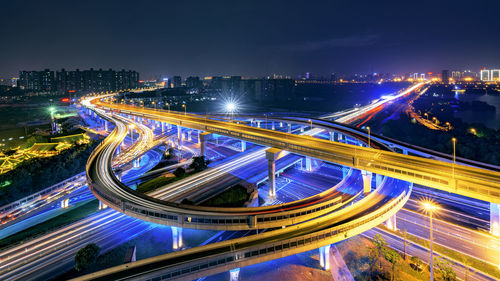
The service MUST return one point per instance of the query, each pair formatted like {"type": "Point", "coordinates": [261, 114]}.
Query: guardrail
{"type": "Point", "coordinates": [38, 194]}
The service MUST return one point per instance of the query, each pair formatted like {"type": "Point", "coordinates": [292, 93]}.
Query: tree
{"type": "Point", "coordinates": [179, 172]}
{"type": "Point", "coordinates": [394, 258]}
{"type": "Point", "coordinates": [199, 163]}
{"type": "Point", "coordinates": [379, 248]}
{"type": "Point", "coordinates": [466, 264]}
{"type": "Point", "coordinates": [445, 267]}
{"type": "Point", "coordinates": [86, 256]}
{"type": "Point", "coordinates": [405, 234]}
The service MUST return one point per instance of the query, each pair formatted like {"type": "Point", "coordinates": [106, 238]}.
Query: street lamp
{"type": "Point", "coordinates": [311, 122]}
{"type": "Point", "coordinates": [454, 140]}
{"type": "Point", "coordinates": [473, 131]}
{"type": "Point", "coordinates": [426, 115]}
{"type": "Point", "coordinates": [168, 104]}
{"type": "Point", "coordinates": [185, 109]}
{"type": "Point", "coordinates": [153, 103]}
{"type": "Point", "coordinates": [231, 107]}
{"type": "Point", "coordinates": [52, 125]}
{"type": "Point", "coordinates": [368, 128]}
{"type": "Point", "coordinates": [430, 207]}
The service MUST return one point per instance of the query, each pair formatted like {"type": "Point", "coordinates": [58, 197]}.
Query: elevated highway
{"type": "Point", "coordinates": [469, 181]}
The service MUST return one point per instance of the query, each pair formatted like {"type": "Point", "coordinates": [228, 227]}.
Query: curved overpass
{"type": "Point", "coordinates": [111, 191]}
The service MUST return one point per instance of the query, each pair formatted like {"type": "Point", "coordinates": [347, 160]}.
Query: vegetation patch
{"type": "Point", "coordinates": [235, 196]}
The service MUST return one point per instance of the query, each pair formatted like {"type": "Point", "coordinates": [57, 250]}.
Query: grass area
{"type": "Point", "coordinates": [67, 218]}
{"type": "Point", "coordinates": [452, 254]}
{"type": "Point", "coordinates": [158, 182]}
{"type": "Point", "coordinates": [355, 252]}
{"type": "Point", "coordinates": [235, 196]}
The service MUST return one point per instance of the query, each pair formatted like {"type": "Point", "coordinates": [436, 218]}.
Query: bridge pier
{"type": "Point", "coordinates": [162, 127]}
{"type": "Point", "coordinates": [324, 257]}
{"type": "Point", "coordinates": [243, 146]}
{"type": "Point", "coordinates": [495, 219]}
{"type": "Point", "coordinates": [189, 135]}
{"type": "Point", "coordinates": [332, 135]}
{"type": "Point", "coordinates": [367, 181]}
{"type": "Point", "coordinates": [301, 129]}
{"type": "Point", "coordinates": [289, 128]}
{"type": "Point", "coordinates": [179, 136]}
{"type": "Point", "coordinates": [378, 179]}
{"type": "Point", "coordinates": [65, 203]}
{"type": "Point", "coordinates": [308, 167]}
{"type": "Point", "coordinates": [202, 139]}
{"type": "Point", "coordinates": [272, 126]}
{"type": "Point", "coordinates": [105, 125]}
{"type": "Point", "coordinates": [131, 134]}
{"type": "Point", "coordinates": [176, 237]}
{"type": "Point", "coordinates": [102, 205]}
{"type": "Point", "coordinates": [137, 163]}
{"type": "Point", "coordinates": [234, 274]}
{"type": "Point", "coordinates": [258, 124]}
{"type": "Point", "coordinates": [271, 156]}
{"type": "Point", "coordinates": [391, 223]}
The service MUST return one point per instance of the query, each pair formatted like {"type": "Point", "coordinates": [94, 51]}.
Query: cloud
{"type": "Point", "coordinates": [351, 41]}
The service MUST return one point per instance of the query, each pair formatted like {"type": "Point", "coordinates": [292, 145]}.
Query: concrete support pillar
{"type": "Point", "coordinates": [332, 135]}
{"type": "Point", "coordinates": [189, 135]}
{"type": "Point", "coordinates": [281, 124]}
{"type": "Point", "coordinates": [367, 181]}
{"type": "Point", "coordinates": [405, 151]}
{"type": "Point", "coordinates": [308, 167]}
{"type": "Point", "coordinates": [162, 127]}
{"type": "Point", "coordinates": [137, 163]}
{"type": "Point", "coordinates": [378, 179]}
{"type": "Point", "coordinates": [495, 219]}
{"type": "Point", "coordinates": [243, 146]}
{"type": "Point", "coordinates": [131, 135]}
{"type": "Point", "coordinates": [391, 223]}
{"type": "Point", "coordinates": [258, 124]}
{"type": "Point", "coordinates": [271, 156]}
{"type": "Point", "coordinates": [202, 138]}
{"type": "Point", "coordinates": [176, 237]}
{"type": "Point", "coordinates": [272, 125]}
{"type": "Point", "coordinates": [118, 149]}
{"type": "Point", "coordinates": [289, 128]}
{"type": "Point", "coordinates": [105, 125]}
{"type": "Point", "coordinates": [102, 205]}
{"type": "Point", "coordinates": [234, 274]}
{"type": "Point", "coordinates": [324, 257]}
{"type": "Point", "coordinates": [179, 136]}
{"type": "Point", "coordinates": [65, 203]}
{"type": "Point", "coordinates": [301, 129]}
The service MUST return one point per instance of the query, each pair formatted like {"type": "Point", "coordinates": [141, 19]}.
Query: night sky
{"type": "Point", "coordinates": [252, 38]}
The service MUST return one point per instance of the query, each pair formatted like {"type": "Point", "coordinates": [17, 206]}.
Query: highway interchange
{"type": "Point", "coordinates": [181, 189]}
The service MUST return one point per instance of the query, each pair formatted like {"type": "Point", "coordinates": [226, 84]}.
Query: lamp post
{"type": "Point", "coordinates": [168, 104]}
{"type": "Point", "coordinates": [185, 109]}
{"type": "Point", "coordinates": [426, 115]}
{"type": "Point", "coordinates": [311, 122]}
{"type": "Point", "coordinates": [52, 125]}
{"type": "Point", "coordinates": [430, 207]}
{"type": "Point", "coordinates": [154, 104]}
{"type": "Point", "coordinates": [368, 128]}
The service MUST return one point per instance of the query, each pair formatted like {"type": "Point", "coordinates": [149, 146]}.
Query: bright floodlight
{"type": "Point", "coordinates": [231, 106]}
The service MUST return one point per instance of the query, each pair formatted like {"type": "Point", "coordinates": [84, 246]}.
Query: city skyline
{"type": "Point", "coordinates": [201, 39]}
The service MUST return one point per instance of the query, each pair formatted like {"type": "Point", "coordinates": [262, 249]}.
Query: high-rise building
{"type": "Point", "coordinates": [445, 76]}
{"type": "Point", "coordinates": [176, 82]}
{"type": "Point", "coordinates": [485, 75]}
{"type": "Point", "coordinates": [78, 81]}
{"type": "Point", "coordinates": [194, 82]}
{"type": "Point", "coordinates": [495, 75]}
